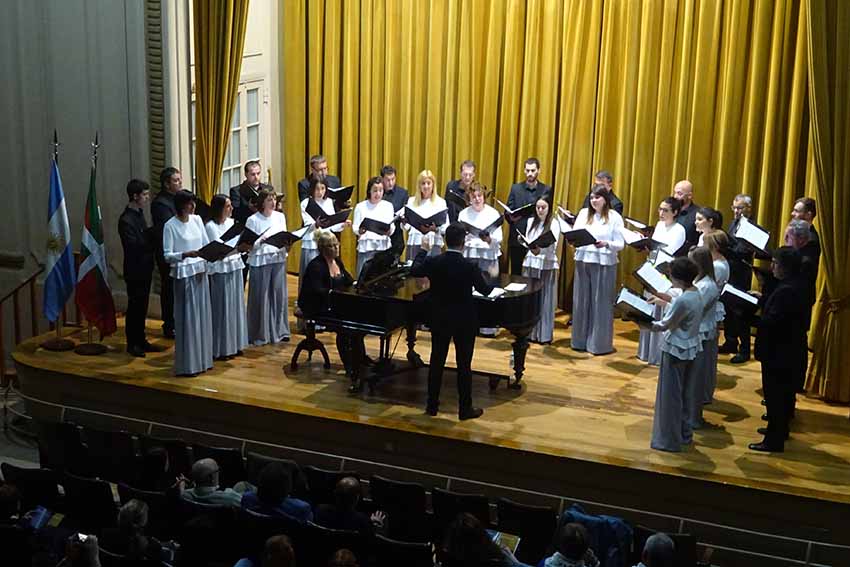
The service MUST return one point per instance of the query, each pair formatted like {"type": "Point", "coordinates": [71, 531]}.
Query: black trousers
{"type": "Point", "coordinates": [736, 330]}
{"type": "Point", "coordinates": [778, 384]}
{"type": "Point", "coordinates": [464, 341]}
{"type": "Point", "coordinates": [166, 294]}
{"type": "Point", "coordinates": [352, 352]}
{"type": "Point", "coordinates": [517, 254]}
{"type": "Point", "coordinates": [138, 294]}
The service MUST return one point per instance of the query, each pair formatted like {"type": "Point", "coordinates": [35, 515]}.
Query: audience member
{"type": "Point", "coordinates": [129, 538]}
{"type": "Point", "coordinates": [343, 558]}
{"type": "Point", "coordinates": [658, 551]}
{"type": "Point", "coordinates": [81, 550]}
{"type": "Point", "coordinates": [206, 489]}
{"type": "Point", "coordinates": [272, 495]}
{"type": "Point", "coordinates": [467, 544]}
{"type": "Point", "coordinates": [343, 514]}
{"type": "Point", "coordinates": [154, 475]}
{"type": "Point", "coordinates": [277, 552]}
{"type": "Point", "coordinates": [573, 548]}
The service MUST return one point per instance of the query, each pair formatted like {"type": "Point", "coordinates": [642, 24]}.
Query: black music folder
{"type": "Point", "coordinates": [458, 199]}
{"type": "Point", "coordinates": [415, 220]}
{"type": "Point", "coordinates": [326, 220]}
{"type": "Point", "coordinates": [232, 232]}
{"type": "Point", "coordinates": [753, 235]}
{"type": "Point", "coordinates": [248, 236]}
{"type": "Point", "coordinates": [641, 227]}
{"type": "Point", "coordinates": [286, 238]}
{"type": "Point", "coordinates": [215, 251]}
{"type": "Point", "coordinates": [652, 278]}
{"type": "Point", "coordinates": [566, 216]}
{"type": "Point", "coordinates": [475, 231]}
{"type": "Point", "coordinates": [375, 226]}
{"type": "Point", "coordinates": [522, 212]}
{"type": "Point", "coordinates": [738, 299]}
{"type": "Point", "coordinates": [642, 243]}
{"type": "Point", "coordinates": [634, 306]}
{"type": "Point", "coordinates": [579, 237]}
{"type": "Point", "coordinates": [542, 241]}
{"type": "Point", "coordinates": [340, 193]}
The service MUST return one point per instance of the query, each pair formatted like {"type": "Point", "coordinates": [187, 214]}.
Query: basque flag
{"type": "Point", "coordinates": [59, 262]}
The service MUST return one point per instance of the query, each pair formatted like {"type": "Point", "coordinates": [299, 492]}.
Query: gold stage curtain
{"type": "Point", "coordinates": [219, 36]}
{"type": "Point", "coordinates": [829, 91]}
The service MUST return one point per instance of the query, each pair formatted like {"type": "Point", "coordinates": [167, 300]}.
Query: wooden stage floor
{"type": "Point", "coordinates": [572, 405]}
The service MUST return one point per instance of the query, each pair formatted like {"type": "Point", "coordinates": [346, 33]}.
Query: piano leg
{"type": "Point", "coordinates": [412, 356]}
{"type": "Point", "coordinates": [520, 347]}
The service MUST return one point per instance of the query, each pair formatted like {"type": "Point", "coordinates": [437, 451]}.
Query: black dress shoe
{"type": "Point", "coordinates": [763, 431]}
{"type": "Point", "coordinates": [430, 410]}
{"type": "Point", "coordinates": [763, 402]}
{"type": "Point", "coordinates": [150, 347]}
{"type": "Point", "coordinates": [471, 413]}
{"type": "Point", "coordinates": [136, 350]}
{"type": "Point", "coordinates": [740, 358]}
{"type": "Point", "coordinates": [764, 417]}
{"type": "Point", "coordinates": [765, 448]}
{"type": "Point", "coordinates": [727, 348]}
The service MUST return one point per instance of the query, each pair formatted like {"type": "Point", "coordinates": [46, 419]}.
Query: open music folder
{"type": "Point", "coordinates": [634, 306]}
{"type": "Point", "coordinates": [654, 280]}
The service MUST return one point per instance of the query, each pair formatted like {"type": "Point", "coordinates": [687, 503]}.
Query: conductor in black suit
{"type": "Point", "coordinates": [453, 317]}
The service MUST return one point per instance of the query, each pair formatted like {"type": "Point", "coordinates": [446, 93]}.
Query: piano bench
{"type": "Point", "coordinates": [309, 343]}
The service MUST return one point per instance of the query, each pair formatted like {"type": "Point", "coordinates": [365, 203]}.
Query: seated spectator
{"type": "Point", "coordinates": [343, 514]}
{"type": "Point", "coordinates": [573, 548]}
{"type": "Point", "coordinates": [10, 505]}
{"type": "Point", "coordinates": [467, 544]}
{"type": "Point", "coordinates": [658, 551]}
{"type": "Point", "coordinates": [129, 538]}
{"type": "Point", "coordinates": [81, 550]}
{"type": "Point", "coordinates": [274, 484]}
{"type": "Point", "coordinates": [278, 552]}
{"type": "Point", "coordinates": [154, 476]}
{"type": "Point", "coordinates": [343, 558]}
{"type": "Point", "coordinates": [206, 489]}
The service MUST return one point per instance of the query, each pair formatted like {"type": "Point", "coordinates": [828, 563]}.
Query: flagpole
{"type": "Point", "coordinates": [92, 348]}
{"type": "Point", "coordinates": [57, 343]}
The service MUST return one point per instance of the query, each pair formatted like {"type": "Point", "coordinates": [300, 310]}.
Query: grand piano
{"type": "Point", "coordinates": [394, 300]}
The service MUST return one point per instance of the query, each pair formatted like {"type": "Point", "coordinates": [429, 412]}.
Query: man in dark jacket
{"type": "Point", "coordinates": [242, 196]}
{"type": "Point", "coordinates": [736, 325]}
{"type": "Point", "coordinates": [137, 243]}
{"type": "Point", "coordinates": [523, 193]}
{"type": "Point", "coordinates": [780, 338]}
{"type": "Point", "coordinates": [162, 209]}
{"type": "Point", "coordinates": [453, 317]}
{"type": "Point", "coordinates": [319, 168]}
{"type": "Point", "coordinates": [605, 179]}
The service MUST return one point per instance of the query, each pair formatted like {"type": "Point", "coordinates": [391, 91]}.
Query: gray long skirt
{"type": "Point", "coordinates": [413, 251]}
{"type": "Point", "coordinates": [649, 342]}
{"type": "Point", "coordinates": [193, 351]}
{"type": "Point", "coordinates": [363, 257]}
{"type": "Point", "coordinates": [593, 308]}
{"type": "Point", "coordinates": [671, 425]}
{"type": "Point", "coordinates": [486, 267]}
{"type": "Point", "coordinates": [268, 312]}
{"type": "Point", "coordinates": [543, 331]}
{"type": "Point", "coordinates": [706, 372]}
{"type": "Point", "coordinates": [229, 324]}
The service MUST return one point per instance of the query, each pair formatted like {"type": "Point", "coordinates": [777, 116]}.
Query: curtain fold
{"type": "Point", "coordinates": [219, 36]}
{"type": "Point", "coordinates": [828, 27]}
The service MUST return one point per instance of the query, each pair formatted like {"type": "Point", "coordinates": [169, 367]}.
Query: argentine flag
{"type": "Point", "coordinates": [59, 262]}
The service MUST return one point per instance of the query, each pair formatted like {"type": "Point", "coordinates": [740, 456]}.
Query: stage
{"type": "Point", "coordinates": [579, 427]}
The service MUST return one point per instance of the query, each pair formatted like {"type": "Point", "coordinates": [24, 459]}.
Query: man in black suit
{"type": "Point", "coordinates": [162, 209]}
{"type": "Point", "coordinates": [318, 167]}
{"type": "Point", "coordinates": [137, 243]}
{"type": "Point", "coordinates": [736, 325]}
{"type": "Point", "coordinates": [684, 191]}
{"type": "Point", "coordinates": [453, 317]}
{"type": "Point", "coordinates": [780, 345]}
{"type": "Point", "coordinates": [458, 187]}
{"type": "Point", "coordinates": [243, 195]}
{"type": "Point", "coordinates": [397, 195]}
{"type": "Point", "coordinates": [798, 235]}
{"type": "Point", "coordinates": [528, 191]}
{"type": "Point", "coordinates": [805, 208]}
{"type": "Point", "coordinates": [605, 179]}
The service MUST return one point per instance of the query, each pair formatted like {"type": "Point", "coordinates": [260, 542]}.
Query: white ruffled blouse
{"type": "Point", "coordinates": [229, 263]}
{"type": "Point", "coordinates": [672, 236]}
{"type": "Point", "coordinates": [426, 209]}
{"type": "Point", "coordinates": [382, 211]}
{"type": "Point", "coordinates": [265, 254]}
{"type": "Point", "coordinates": [308, 242]}
{"type": "Point", "coordinates": [474, 247]}
{"type": "Point", "coordinates": [548, 257]}
{"type": "Point", "coordinates": [612, 231]}
{"type": "Point", "coordinates": [179, 237]}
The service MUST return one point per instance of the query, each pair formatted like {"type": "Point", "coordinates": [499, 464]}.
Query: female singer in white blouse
{"type": "Point", "coordinates": [309, 249]}
{"type": "Point", "coordinates": [596, 275]}
{"type": "Point", "coordinates": [542, 264]}
{"type": "Point", "coordinates": [482, 249]}
{"type": "Point", "coordinates": [268, 313]}
{"type": "Point", "coordinates": [182, 237]}
{"type": "Point", "coordinates": [426, 203]}
{"type": "Point", "coordinates": [227, 299]}
{"type": "Point", "coordinates": [706, 221]}
{"type": "Point", "coordinates": [672, 234]}
{"type": "Point", "coordinates": [374, 207]}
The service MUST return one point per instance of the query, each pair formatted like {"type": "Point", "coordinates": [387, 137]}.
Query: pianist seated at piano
{"type": "Point", "coordinates": [482, 249]}
{"type": "Point", "coordinates": [374, 208]}
{"type": "Point", "coordinates": [426, 203]}
{"type": "Point", "coordinates": [323, 274]}
{"type": "Point", "coordinates": [318, 195]}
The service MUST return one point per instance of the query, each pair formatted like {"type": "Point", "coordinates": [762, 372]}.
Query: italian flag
{"type": "Point", "coordinates": [93, 294]}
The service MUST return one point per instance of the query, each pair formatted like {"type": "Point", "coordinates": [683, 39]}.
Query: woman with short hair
{"type": "Point", "coordinates": [376, 208]}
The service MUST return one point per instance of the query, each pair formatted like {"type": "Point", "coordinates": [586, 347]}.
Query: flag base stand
{"type": "Point", "coordinates": [90, 349]}
{"type": "Point", "coordinates": [58, 344]}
